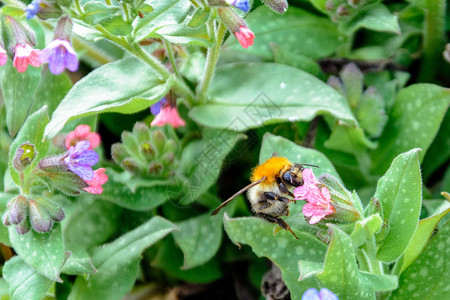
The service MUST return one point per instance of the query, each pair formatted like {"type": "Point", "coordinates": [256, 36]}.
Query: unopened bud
{"type": "Point", "coordinates": [55, 211]}
{"type": "Point", "coordinates": [343, 10]}
{"type": "Point", "coordinates": [374, 207]}
{"type": "Point", "coordinates": [147, 150]}
{"type": "Point", "coordinates": [141, 131]}
{"type": "Point", "coordinates": [354, 3]}
{"type": "Point", "coordinates": [155, 168]}
{"type": "Point", "coordinates": [171, 145]}
{"type": "Point", "coordinates": [17, 209]}
{"type": "Point", "coordinates": [130, 165]}
{"type": "Point", "coordinates": [14, 33]}
{"type": "Point", "coordinates": [159, 140]}
{"type": "Point", "coordinates": [118, 153]}
{"type": "Point", "coordinates": [384, 231]}
{"type": "Point", "coordinates": [63, 29]}
{"type": "Point", "coordinates": [231, 19]}
{"type": "Point", "coordinates": [23, 227]}
{"type": "Point", "coordinates": [24, 155]}
{"type": "Point", "coordinates": [168, 158]}
{"type": "Point", "coordinates": [39, 217]}
{"type": "Point", "coordinates": [279, 6]}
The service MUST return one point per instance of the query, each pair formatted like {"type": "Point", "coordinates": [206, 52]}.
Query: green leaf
{"type": "Point", "coordinates": [295, 153]}
{"type": "Point", "coordinates": [42, 251]}
{"type": "Point", "coordinates": [365, 229]}
{"type": "Point", "coordinates": [419, 240]}
{"type": "Point", "coordinates": [282, 249]}
{"type": "Point", "coordinates": [31, 132]}
{"type": "Point", "coordinates": [413, 122]}
{"type": "Point", "coordinates": [24, 281]}
{"type": "Point", "coordinates": [18, 89]}
{"type": "Point", "coordinates": [206, 158]}
{"type": "Point", "coordinates": [299, 31]}
{"type": "Point", "coordinates": [349, 139]}
{"type": "Point", "coordinates": [199, 238]}
{"type": "Point", "coordinates": [90, 225]}
{"type": "Point", "coordinates": [371, 114]}
{"type": "Point", "coordinates": [4, 233]}
{"type": "Point", "coordinates": [117, 25]}
{"type": "Point", "coordinates": [427, 277]}
{"type": "Point", "coordinates": [164, 13]}
{"type": "Point", "coordinates": [96, 11]}
{"type": "Point", "coordinates": [136, 195]}
{"type": "Point", "coordinates": [183, 35]}
{"type": "Point", "coordinates": [341, 274]}
{"type": "Point", "coordinates": [249, 95]}
{"type": "Point", "coordinates": [200, 17]}
{"type": "Point", "coordinates": [375, 17]}
{"type": "Point", "coordinates": [51, 90]}
{"type": "Point", "coordinates": [125, 86]}
{"type": "Point", "coordinates": [304, 63]}
{"type": "Point", "coordinates": [400, 194]}
{"type": "Point", "coordinates": [117, 262]}
{"type": "Point", "coordinates": [381, 282]}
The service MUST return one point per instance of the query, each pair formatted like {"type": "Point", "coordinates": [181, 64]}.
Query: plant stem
{"type": "Point", "coordinates": [78, 6]}
{"type": "Point", "coordinates": [126, 12]}
{"type": "Point", "coordinates": [172, 59]}
{"type": "Point", "coordinates": [371, 250]}
{"type": "Point", "coordinates": [211, 60]}
{"type": "Point", "coordinates": [433, 39]}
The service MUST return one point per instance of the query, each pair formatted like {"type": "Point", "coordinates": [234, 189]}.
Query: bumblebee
{"type": "Point", "coordinates": [269, 192]}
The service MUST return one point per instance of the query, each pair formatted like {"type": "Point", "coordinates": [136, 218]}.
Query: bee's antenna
{"type": "Point", "coordinates": [237, 194]}
{"type": "Point", "coordinates": [308, 165]}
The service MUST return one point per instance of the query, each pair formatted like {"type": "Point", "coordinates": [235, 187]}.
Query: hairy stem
{"type": "Point", "coordinates": [172, 59]}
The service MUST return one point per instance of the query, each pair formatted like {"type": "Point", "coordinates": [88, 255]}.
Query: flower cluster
{"type": "Point", "coordinates": [59, 54]}
{"type": "Point", "coordinates": [318, 198]}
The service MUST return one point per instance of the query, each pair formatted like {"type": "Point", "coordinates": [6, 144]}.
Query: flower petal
{"type": "Point", "coordinates": [311, 294]}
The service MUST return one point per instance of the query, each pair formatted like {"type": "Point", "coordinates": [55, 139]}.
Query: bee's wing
{"type": "Point", "coordinates": [237, 194]}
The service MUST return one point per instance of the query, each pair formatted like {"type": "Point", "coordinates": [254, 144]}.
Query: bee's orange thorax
{"type": "Point", "coordinates": [270, 169]}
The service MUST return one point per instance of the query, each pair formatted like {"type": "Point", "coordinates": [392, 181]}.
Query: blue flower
{"type": "Point", "coordinates": [59, 54]}
{"type": "Point", "coordinates": [33, 9]}
{"type": "Point", "coordinates": [314, 294]}
{"type": "Point", "coordinates": [156, 108]}
{"type": "Point", "coordinates": [242, 5]}
{"type": "Point", "coordinates": [80, 160]}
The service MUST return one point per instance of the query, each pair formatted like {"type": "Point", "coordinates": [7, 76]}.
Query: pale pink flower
{"type": "Point", "coordinates": [82, 133]}
{"type": "Point", "coordinates": [95, 184]}
{"type": "Point", "coordinates": [245, 36]}
{"type": "Point", "coordinates": [3, 56]}
{"type": "Point", "coordinates": [168, 115]}
{"type": "Point", "coordinates": [25, 55]}
{"type": "Point", "coordinates": [318, 199]}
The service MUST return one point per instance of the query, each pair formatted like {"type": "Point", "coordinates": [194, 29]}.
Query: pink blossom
{"type": "Point", "coordinates": [95, 184]}
{"type": "Point", "coordinates": [3, 56]}
{"type": "Point", "coordinates": [82, 133]}
{"type": "Point", "coordinates": [318, 199]}
{"type": "Point", "coordinates": [245, 36]}
{"type": "Point", "coordinates": [168, 115]}
{"type": "Point", "coordinates": [25, 55]}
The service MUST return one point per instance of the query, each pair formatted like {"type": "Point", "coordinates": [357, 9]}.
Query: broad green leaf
{"type": "Point", "coordinates": [51, 90]}
{"type": "Point", "coordinates": [375, 17]}
{"type": "Point", "coordinates": [4, 233]}
{"type": "Point", "coordinates": [4, 289]}
{"type": "Point", "coordinates": [296, 154]}
{"type": "Point", "coordinates": [381, 282]}
{"type": "Point", "coordinates": [31, 132]}
{"type": "Point", "coordinates": [199, 238]}
{"type": "Point", "coordinates": [341, 274]}
{"type": "Point", "coordinates": [96, 11]}
{"type": "Point", "coordinates": [299, 31]}
{"type": "Point", "coordinates": [169, 258]}
{"type": "Point", "coordinates": [90, 225]}
{"type": "Point", "coordinates": [304, 63]}
{"type": "Point", "coordinates": [400, 194]}
{"type": "Point", "coordinates": [349, 139]}
{"type": "Point", "coordinates": [413, 122]}
{"type": "Point", "coordinates": [249, 95]}
{"type": "Point", "coordinates": [24, 281]}
{"type": "Point", "coordinates": [164, 13]}
{"type": "Point", "coordinates": [141, 195]}
{"type": "Point", "coordinates": [420, 239]}
{"type": "Point", "coordinates": [184, 35]}
{"type": "Point", "coordinates": [125, 86]}
{"type": "Point", "coordinates": [117, 25]}
{"type": "Point", "coordinates": [371, 114]}
{"type": "Point", "coordinates": [200, 17]}
{"type": "Point", "coordinates": [365, 229]}
{"type": "Point", "coordinates": [427, 277]}
{"type": "Point", "coordinates": [206, 158]}
{"type": "Point", "coordinates": [117, 262]}
{"type": "Point", "coordinates": [42, 251]}
{"type": "Point", "coordinates": [18, 89]}
{"type": "Point", "coordinates": [282, 249]}
{"type": "Point", "coordinates": [85, 31]}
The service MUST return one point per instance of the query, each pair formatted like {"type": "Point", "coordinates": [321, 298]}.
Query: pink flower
{"type": "Point", "coordinates": [168, 115]}
{"type": "Point", "coordinates": [82, 133]}
{"type": "Point", "coordinates": [25, 55]}
{"type": "Point", "coordinates": [95, 184]}
{"type": "Point", "coordinates": [318, 199]}
{"type": "Point", "coordinates": [3, 56]}
{"type": "Point", "coordinates": [245, 36]}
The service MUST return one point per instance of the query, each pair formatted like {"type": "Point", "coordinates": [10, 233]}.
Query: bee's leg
{"type": "Point", "coordinates": [276, 220]}
{"type": "Point", "coordinates": [284, 189]}
{"type": "Point", "coordinates": [272, 197]}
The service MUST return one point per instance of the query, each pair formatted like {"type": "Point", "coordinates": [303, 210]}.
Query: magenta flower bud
{"type": "Point", "coordinates": [237, 26]}
{"type": "Point", "coordinates": [23, 157]}
{"type": "Point", "coordinates": [23, 227]}
{"type": "Point", "coordinates": [17, 209]}
{"type": "Point", "coordinates": [13, 34]}
{"type": "Point", "coordinates": [3, 56]}
{"type": "Point", "coordinates": [39, 217]}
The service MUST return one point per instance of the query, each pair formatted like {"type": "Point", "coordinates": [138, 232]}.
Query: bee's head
{"type": "Point", "coordinates": [293, 176]}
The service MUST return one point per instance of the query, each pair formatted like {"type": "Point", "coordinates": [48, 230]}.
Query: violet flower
{"type": "Point", "coordinates": [80, 160]}
{"type": "Point", "coordinates": [243, 5]}
{"type": "Point", "coordinates": [314, 294]}
{"type": "Point", "coordinates": [156, 108]}
{"type": "Point", "coordinates": [33, 9]}
{"type": "Point", "coordinates": [59, 54]}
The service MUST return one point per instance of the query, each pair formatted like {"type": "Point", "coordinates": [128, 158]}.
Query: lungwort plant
{"type": "Point", "coordinates": [124, 124]}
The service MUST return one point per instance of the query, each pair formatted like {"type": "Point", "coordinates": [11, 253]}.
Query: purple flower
{"type": "Point", "coordinates": [59, 54]}
{"type": "Point", "coordinates": [242, 5]}
{"type": "Point", "coordinates": [324, 294]}
{"type": "Point", "coordinates": [80, 160]}
{"type": "Point", "coordinates": [33, 9]}
{"type": "Point", "coordinates": [156, 108]}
